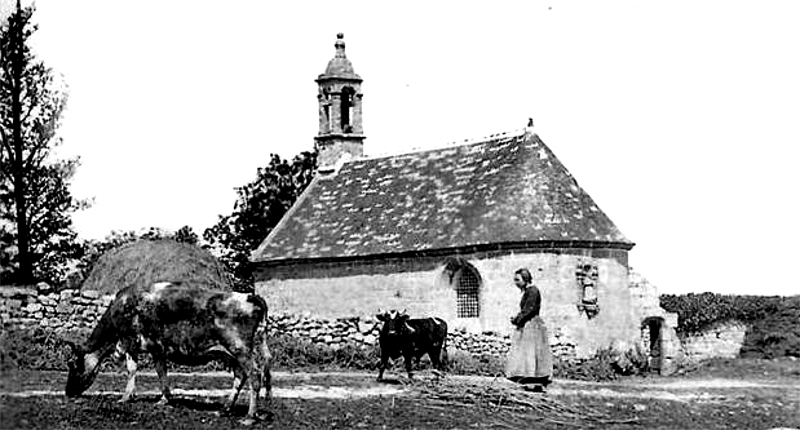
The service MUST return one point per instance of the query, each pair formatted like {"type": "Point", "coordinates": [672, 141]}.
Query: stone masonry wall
{"type": "Point", "coordinates": [646, 306]}
{"type": "Point", "coordinates": [365, 332]}
{"type": "Point", "coordinates": [424, 292]}
{"type": "Point", "coordinates": [721, 340]}
{"type": "Point", "coordinates": [72, 310]}
{"type": "Point", "coordinates": [66, 310]}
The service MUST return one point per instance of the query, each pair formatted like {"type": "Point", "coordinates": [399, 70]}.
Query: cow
{"type": "Point", "coordinates": [186, 324]}
{"type": "Point", "coordinates": [410, 338]}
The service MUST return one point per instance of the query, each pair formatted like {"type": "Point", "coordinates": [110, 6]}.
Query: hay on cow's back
{"type": "Point", "coordinates": [145, 262]}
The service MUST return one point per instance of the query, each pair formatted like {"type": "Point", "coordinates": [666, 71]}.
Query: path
{"type": "Point", "coordinates": [307, 386]}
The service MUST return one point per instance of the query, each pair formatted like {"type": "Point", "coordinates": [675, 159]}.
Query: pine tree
{"type": "Point", "coordinates": [34, 186]}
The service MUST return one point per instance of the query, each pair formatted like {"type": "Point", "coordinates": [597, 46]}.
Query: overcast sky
{"type": "Point", "coordinates": [680, 118]}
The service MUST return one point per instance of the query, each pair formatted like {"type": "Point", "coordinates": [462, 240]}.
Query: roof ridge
{"type": "Point", "coordinates": [451, 144]}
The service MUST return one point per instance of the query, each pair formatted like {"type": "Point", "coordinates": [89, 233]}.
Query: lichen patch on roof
{"type": "Point", "coordinates": [510, 188]}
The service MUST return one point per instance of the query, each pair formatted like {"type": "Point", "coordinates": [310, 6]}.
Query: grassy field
{"type": "Point", "coordinates": [722, 394]}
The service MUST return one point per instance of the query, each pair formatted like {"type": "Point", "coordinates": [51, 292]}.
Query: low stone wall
{"type": "Point", "coordinates": [67, 310]}
{"type": "Point", "coordinates": [73, 310]}
{"type": "Point", "coordinates": [721, 340]}
{"type": "Point", "coordinates": [364, 332]}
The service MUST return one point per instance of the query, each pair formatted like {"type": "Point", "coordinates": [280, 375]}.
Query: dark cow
{"type": "Point", "coordinates": [185, 324]}
{"type": "Point", "coordinates": [411, 338]}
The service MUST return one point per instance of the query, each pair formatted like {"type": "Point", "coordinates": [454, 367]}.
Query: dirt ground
{"type": "Point", "coordinates": [751, 395]}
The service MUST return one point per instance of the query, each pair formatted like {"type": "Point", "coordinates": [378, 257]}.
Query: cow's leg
{"type": "Point", "coordinates": [253, 376]}
{"type": "Point", "coordinates": [381, 367]}
{"type": "Point", "coordinates": [436, 360]}
{"type": "Point", "coordinates": [435, 355]}
{"type": "Point", "coordinates": [239, 378]}
{"type": "Point", "coordinates": [265, 365]}
{"type": "Point", "coordinates": [161, 369]}
{"type": "Point", "coordinates": [267, 382]}
{"type": "Point", "coordinates": [407, 358]}
{"type": "Point", "coordinates": [131, 366]}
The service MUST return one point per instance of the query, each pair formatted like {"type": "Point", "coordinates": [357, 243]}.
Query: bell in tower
{"type": "Point", "coordinates": [340, 130]}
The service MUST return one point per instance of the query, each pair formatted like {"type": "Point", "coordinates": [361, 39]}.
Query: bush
{"type": "Point", "coordinates": [605, 365]}
{"type": "Point", "coordinates": [40, 349]}
{"type": "Point", "coordinates": [35, 349]}
{"type": "Point", "coordinates": [291, 353]}
{"type": "Point", "coordinates": [697, 312]}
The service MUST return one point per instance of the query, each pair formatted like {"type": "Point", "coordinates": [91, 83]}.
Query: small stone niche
{"type": "Point", "coordinates": [587, 277]}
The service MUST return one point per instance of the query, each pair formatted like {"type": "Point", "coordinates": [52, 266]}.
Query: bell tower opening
{"type": "Point", "coordinates": [347, 109]}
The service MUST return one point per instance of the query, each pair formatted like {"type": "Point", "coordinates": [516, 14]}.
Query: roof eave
{"type": "Point", "coordinates": [469, 249]}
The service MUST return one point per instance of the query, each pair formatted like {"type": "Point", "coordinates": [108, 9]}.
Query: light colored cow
{"type": "Point", "coordinates": [185, 324]}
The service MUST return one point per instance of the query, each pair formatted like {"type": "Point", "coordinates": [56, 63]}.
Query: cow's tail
{"type": "Point", "coordinates": [261, 304]}
{"type": "Point", "coordinates": [444, 357]}
{"type": "Point", "coordinates": [261, 353]}
{"type": "Point", "coordinates": [263, 320]}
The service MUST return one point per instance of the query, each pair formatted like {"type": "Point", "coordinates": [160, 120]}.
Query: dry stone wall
{"type": "Point", "coordinates": [73, 310]}
{"type": "Point", "coordinates": [365, 332]}
{"type": "Point", "coordinates": [721, 340]}
{"type": "Point", "coordinates": [66, 310]}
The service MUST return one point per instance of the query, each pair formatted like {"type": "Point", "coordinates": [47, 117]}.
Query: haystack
{"type": "Point", "coordinates": [144, 262]}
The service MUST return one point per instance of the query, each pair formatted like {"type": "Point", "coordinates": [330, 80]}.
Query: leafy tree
{"type": "Point", "coordinates": [186, 235]}
{"type": "Point", "coordinates": [36, 201]}
{"type": "Point", "coordinates": [259, 206]}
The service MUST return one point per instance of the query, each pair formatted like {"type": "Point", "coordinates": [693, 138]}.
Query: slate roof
{"type": "Point", "coordinates": [506, 189]}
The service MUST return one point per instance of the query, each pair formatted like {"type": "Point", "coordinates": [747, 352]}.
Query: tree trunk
{"type": "Point", "coordinates": [25, 273]}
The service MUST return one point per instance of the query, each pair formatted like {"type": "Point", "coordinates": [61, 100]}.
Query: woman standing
{"type": "Point", "coordinates": [529, 359]}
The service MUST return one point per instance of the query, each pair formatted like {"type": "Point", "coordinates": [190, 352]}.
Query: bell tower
{"type": "Point", "coordinates": [340, 130]}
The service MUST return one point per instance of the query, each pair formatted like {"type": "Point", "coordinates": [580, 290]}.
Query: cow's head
{"type": "Point", "coordinates": [83, 369]}
{"type": "Point", "coordinates": [394, 323]}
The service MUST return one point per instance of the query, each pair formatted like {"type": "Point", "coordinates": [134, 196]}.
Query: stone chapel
{"type": "Point", "coordinates": [441, 232]}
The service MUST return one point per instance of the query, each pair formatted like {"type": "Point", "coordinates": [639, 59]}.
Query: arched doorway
{"type": "Point", "coordinates": [653, 342]}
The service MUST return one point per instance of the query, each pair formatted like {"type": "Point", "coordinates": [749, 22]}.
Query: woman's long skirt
{"type": "Point", "coordinates": [530, 359]}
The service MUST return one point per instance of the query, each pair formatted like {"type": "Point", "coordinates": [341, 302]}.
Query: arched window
{"type": "Point", "coordinates": [468, 295]}
{"type": "Point", "coordinates": [347, 109]}
{"type": "Point", "coordinates": [328, 123]}
{"type": "Point", "coordinates": [325, 104]}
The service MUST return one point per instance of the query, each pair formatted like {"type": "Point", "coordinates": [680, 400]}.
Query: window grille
{"type": "Point", "coordinates": [467, 295]}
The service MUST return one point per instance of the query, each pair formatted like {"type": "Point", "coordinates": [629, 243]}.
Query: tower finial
{"type": "Point", "coordinates": [339, 45]}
